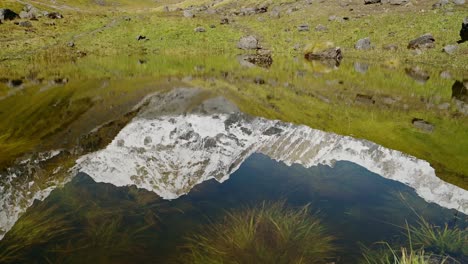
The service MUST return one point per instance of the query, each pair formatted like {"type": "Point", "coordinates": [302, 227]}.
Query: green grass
{"type": "Point", "coordinates": [268, 233]}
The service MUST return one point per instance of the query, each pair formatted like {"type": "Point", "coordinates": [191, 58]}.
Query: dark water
{"type": "Point", "coordinates": [127, 225]}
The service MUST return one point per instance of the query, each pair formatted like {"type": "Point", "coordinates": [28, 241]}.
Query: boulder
{"type": "Point", "coordinates": [426, 41]}
{"type": "Point", "coordinates": [464, 30]}
{"type": "Point", "coordinates": [248, 43]}
{"type": "Point", "coordinates": [363, 44]}
{"type": "Point", "coordinates": [7, 14]}
{"type": "Point", "coordinates": [30, 12]}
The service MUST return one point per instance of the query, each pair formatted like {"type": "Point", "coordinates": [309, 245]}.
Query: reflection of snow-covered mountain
{"type": "Point", "coordinates": [168, 150]}
{"type": "Point", "coordinates": [180, 139]}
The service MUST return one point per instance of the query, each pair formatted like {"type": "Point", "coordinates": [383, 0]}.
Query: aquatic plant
{"type": "Point", "coordinates": [37, 227]}
{"type": "Point", "coordinates": [267, 233]}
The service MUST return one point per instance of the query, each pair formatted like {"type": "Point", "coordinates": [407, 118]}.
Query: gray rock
{"type": "Point", "coordinates": [30, 12]}
{"type": "Point", "coordinates": [71, 44]}
{"type": "Point", "coordinates": [188, 14]}
{"type": "Point", "coordinates": [423, 125]}
{"type": "Point", "coordinates": [303, 28]}
{"type": "Point", "coordinates": [445, 75]}
{"type": "Point", "coordinates": [248, 43]}
{"type": "Point", "coordinates": [450, 49]}
{"type": "Point", "coordinates": [368, 2]}
{"type": "Point", "coordinates": [7, 14]}
{"type": "Point", "coordinates": [275, 13]}
{"type": "Point", "coordinates": [440, 4]}
{"type": "Point", "coordinates": [200, 29]}
{"type": "Point", "coordinates": [426, 41]}
{"type": "Point", "coordinates": [224, 21]}
{"type": "Point", "coordinates": [363, 44]}
{"type": "Point", "coordinates": [395, 2]}
{"type": "Point", "coordinates": [25, 24]}
{"type": "Point", "coordinates": [459, 2]}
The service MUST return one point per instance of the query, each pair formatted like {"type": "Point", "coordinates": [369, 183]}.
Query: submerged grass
{"type": "Point", "coordinates": [35, 228]}
{"type": "Point", "coordinates": [268, 233]}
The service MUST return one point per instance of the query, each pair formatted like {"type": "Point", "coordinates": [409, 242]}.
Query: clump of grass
{"type": "Point", "coordinates": [268, 233]}
{"type": "Point", "coordinates": [426, 243]}
{"type": "Point", "coordinates": [401, 256]}
{"type": "Point", "coordinates": [35, 228]}
{"type": "Point", "coordinates": [444, 240]}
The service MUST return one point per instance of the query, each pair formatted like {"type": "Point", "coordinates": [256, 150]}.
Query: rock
{"type": "Point", "coordinates": [224, 21]}
{"type": "Point", "coordinates": [450, 49]}
{"type": "Point", "coordinates": [30, 12]}
{"type": "Point", "coordinates": [212, 26]}
{"type": "Point", "coordinates": [54, 15]}
{"type": "Point", "coordinates": [464, 31]}
{"type": "Point", "coordinates": [200, 29]}
{"type": "Point", "coordinates": [425, 41]}
{"type": "Point", "coordinates": [445, 75]}
{"type": "Point", "coordinates": [321, 28]}
{"type": "Point", "coordinates": [327, 54]}
{"type": "Point", "coordinates": [275, 13]}
{"type": "Point", "coordinates": [303, 28]}
{"type": "Point", "coordinates": [423, 125]}
{"type": "Point", "coordinates": [361, 67]}
{"type": "Point", "coordinates": [390, 47]}
{"type": "Point", "coordinates": [248, 43]}
{"type": "Point", "coordinates": [71, 44]}
{"type": "Point", "coordinates": [369, 2]}
{"type": "Point", "coordinates": [247, 11]}
{"type": "Point", "coordinates": [27, 24]}
{"type": "Point", "coordinates": [363, 44]}
{"type": "Point", "coordinates": [364, 99]}
{"type": "Point", "coordinates": [60, 80]}
{"type": "Point", "coordinates": [440, 4]}
{"type": "Point", "coordinates": [188, 14]}
{"type": "Point", "coordinates": [417, 74]}
{"type": "Point", "coordinates": [459, 2]}
{"type": "Point", "coordinates": [7, 14]}
{"type": "Point", "coordinates": [444, 106]}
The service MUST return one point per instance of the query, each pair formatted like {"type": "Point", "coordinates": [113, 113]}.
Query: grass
{"type": "Point", "coordinates": [268, 233]}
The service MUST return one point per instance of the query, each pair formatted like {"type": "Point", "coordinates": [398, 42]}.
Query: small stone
{"type": "Point", "coordinates": [248, 43]}
{"type": "Point", "coordinates": [425, 41]}
{"type": "Point", "coordinates": [418, 74]}
{"type": "Point", "coordinates": [224, 21]}
{"type": "Point", "coordinates": [445, 75]}
{"type": "Point", "coordinates": [450, 49]}
{"type": "Point", "coordinates": [71, 44]}
{"type": "Point", "coordinates": [200, 29]}
{"type": "Point", "coordinates": [363, 44]}
{"type": "Point", "coordinates": [423, 125]}
{"type": "Point", "coordinates": [321, 28]}
{"type": "Point", "coordinates": [369, 2]}
{"type": "Point", "coordinates": [303, 28]}
{"type": "Point", "coordinates": [188, 14]}
{"type": "Point", "coordinates": [25, 24]}
{"type": "Point", "coordinates": [361, 67]}
{"type": "Point", "coordinates": [54, 15]}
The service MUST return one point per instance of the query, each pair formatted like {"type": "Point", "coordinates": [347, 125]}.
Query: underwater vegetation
{"type": "Point", "coordinates": [266, 233]}
{"type": "Point", "coordinates": [34, 229]}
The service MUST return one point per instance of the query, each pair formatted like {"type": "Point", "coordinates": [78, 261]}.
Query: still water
{"type": "Point", "coordinates": [136, 176]}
